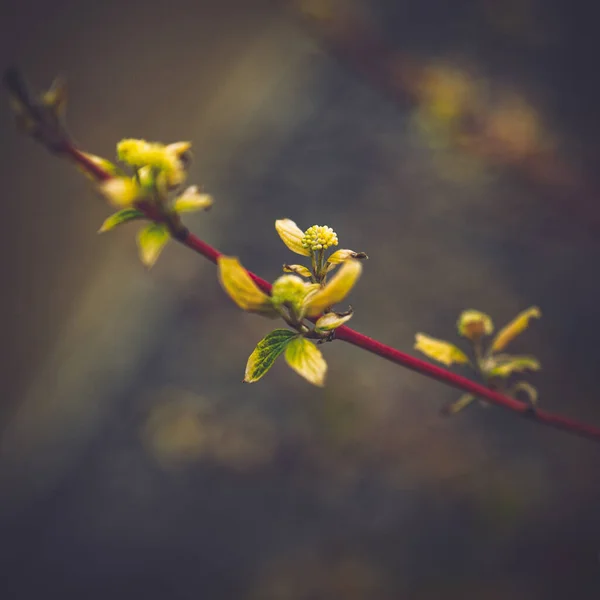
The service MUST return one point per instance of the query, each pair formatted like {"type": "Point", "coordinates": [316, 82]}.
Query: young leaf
{"type": "Point", "coordinates": [523, 386]}
{"type": "Point", "coordinates": [336, 290]}
{"type": "Point", "coordinates": [120, 191]}
{"type": "Point", "coordinates": [151, 241]}
{"type": "Point", "coordinates": [120, 217]}
{"type": "Point", "coordinates": [297, 269]}
{"type": "Point", "coordinates": [192, 200]}
{"type": "Point", "coordinates": [332, 321]}
{"type": "Point", "coordinates": [439, 350]}
{"type": "Point", "coordinates": [339, 256]}
{"type": "Point", "coordinates": [455, 407]}
{"type": "Point", "coordinates": [306, 359]}
{"type": "Point", "coordinates": [56, 96]}
{"type": "Point", "coordinates": [514, 364]}
{"type": "Point", "coordinates": [514, 328]}
{"type": "Point", "coordinates": [265, 353]}
{"type": "Point", "coordinates": [240, 287]}
{"type": "Point", "coordinates": [103, 163]}
{"type": "Point", "coordinates": [291, 235]}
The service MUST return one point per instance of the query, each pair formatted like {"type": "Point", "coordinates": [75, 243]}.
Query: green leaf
{"type": "Point", "coordinates": [439, 350]}
{"type": "Point", "coordinates": [508, 365]}
{"type": "Point", "coordinates": [120, 217]}
{"type": "Point", "coordinates": [266, 352]}
{"type": "Point", "coordinates": [523, 386]}
{"type": "Point", "coordinates": [306, 359]}
{"type": "Point", "coordinates": [460, 404]}
{"type": "Point", "coordinates": [151, 240]}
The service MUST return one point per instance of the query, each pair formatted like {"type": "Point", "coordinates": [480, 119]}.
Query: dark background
{"type": "Point", "coordinates": [134, 463]}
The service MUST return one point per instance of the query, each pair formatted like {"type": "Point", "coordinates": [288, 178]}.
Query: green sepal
{"type": "Point", "coordinates": [266, 352]}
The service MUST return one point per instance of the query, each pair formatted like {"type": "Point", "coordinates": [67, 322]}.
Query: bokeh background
{"type": "Point", "coordinates": [454, 142]}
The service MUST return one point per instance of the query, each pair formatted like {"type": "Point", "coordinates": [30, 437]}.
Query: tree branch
{"type": "Point", "coordinates": [364, 342]}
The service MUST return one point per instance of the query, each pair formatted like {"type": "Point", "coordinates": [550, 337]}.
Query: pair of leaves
{"type": "Point", "coordinates": [300, 354]}
{"type": "Point", "coordinates": [153, 238]}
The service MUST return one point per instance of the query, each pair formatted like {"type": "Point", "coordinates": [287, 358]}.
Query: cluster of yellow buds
{"type": "Point", "coordinates": [168, 160]}
{"type": "Point", "coordinates": [319, 237]}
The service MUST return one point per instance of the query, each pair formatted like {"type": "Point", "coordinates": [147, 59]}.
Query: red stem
{"type": "Point", "coordinates": [347, 334]}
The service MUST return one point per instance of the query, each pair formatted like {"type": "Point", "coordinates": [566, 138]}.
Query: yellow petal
{"type": "Point", "coordinates": [514, 328]}
{"type": "Point", "coordinates": [332, 321]}
{"type": "Point", "coordinates": [240, 287]}
{"type": "Point", "coordinates": [120, 191]}
{"type": "Point", "coordinates": [334, 291]}
{"type": "Point", "coordinates": [306, 359]}
{"type": "Point", "coordinates": [151, 241]}
{"type": "Point", "coordinates": [291, 236]}
{"type": "Point", "coordinates": [472, 324]}
{"type": "Point", "coordinates": [339, 256]}
{"type": "Point", "coordinates": [439, 350]}
{"type": "Point", "coordinates": [297, 269]}
{"type": "Point", "coordinates": [191, 200]}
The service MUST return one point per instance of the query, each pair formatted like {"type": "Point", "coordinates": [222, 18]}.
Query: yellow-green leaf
{"type": "Point", "coordinates": [460, 404]}
{"type": "Point", "coordinates": [335, 290]}
{"type": "Point", "coordinates": [513, 364]}
{"type": "Point", "coordinates": [192, 200]}
{"type": "Point", "coordinates": [266, 352]}
{"type": "Point", "coordinates": [473, 324]}
{"type": "Point", "coordinates": [306, 359]}
{"type": "Point", "coordinates": [332, 321]}
{"type": "Point", "coordinates": [439, 350]}
{"type": "Point", "coordinates": [240, 287]}
{"type": "Point", "coordinates": [339, 256]}
{"type": "Point", "coordinates": [297, 269]}
{"type": "Point", "coordinates": [291, 235]}
{"type": "Point", "coordinates": [120, 191]}
{"type": "Point", "coordinates": [120, 217]}
{"type": "Point", "coordinates": [514, 328]}
{"type": "Point", "coordinates": [151, 240]}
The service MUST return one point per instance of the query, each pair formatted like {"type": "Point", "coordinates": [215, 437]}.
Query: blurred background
{"type": "Point", "coordinates": [454, 142]}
